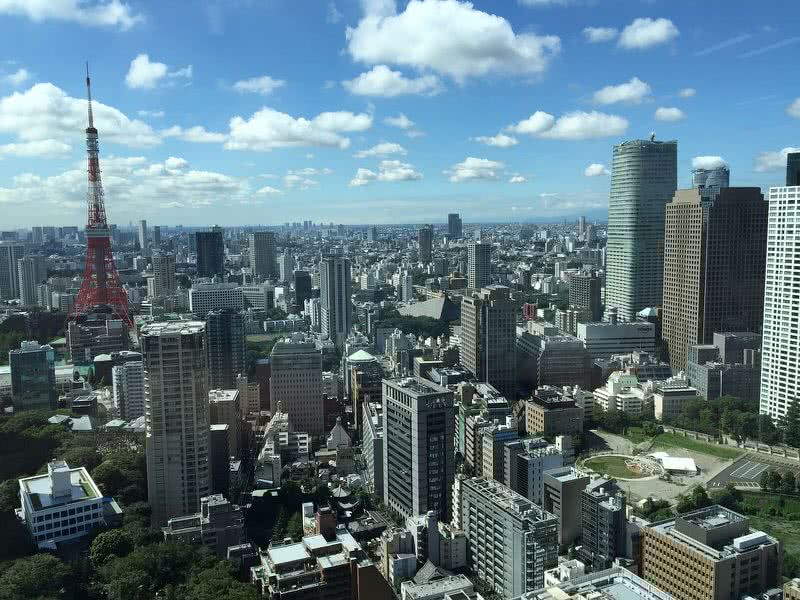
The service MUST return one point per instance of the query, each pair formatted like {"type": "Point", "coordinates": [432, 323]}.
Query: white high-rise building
{"type": "Point", "coordinates": [163, 280]}
{"type": "Point", "coordinates": [128, 389]}
{"type": "Point", "coordinates": [143, 234]}
{"type": "Point", "coordinates": [286, 266]}
{"type": "Point", "coordinates": [780, 351]}
{"type": "Point", "coordinates": [406, 287]}
{"type": "Point", "coordinates": [335, 298]}
{"type": "Point", "coordinates": [205, 297]}
{"type": "Point", "coordinates": [10, 253]}
{"type": "Point", "coordinates": [31, 271]}
{"type": "Point", "coordinates": [176, 408]}
{"type": "Point", "coordinates": [296, 385]}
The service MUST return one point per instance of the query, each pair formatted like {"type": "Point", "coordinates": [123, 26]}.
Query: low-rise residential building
{"type": "Point", "coordinates": [218, 525]}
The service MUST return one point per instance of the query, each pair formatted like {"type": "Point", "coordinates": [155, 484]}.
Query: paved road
{"type": "Point", "coordinates": [747, 471]}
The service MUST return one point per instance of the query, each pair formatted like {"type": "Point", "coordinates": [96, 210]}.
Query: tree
{"type": "Point", "coordinates": [730, 497]}
{"type": "Point", "coordinates": [788, 483]}
{"type": "Point", "coordinates": [110, 544]}
{"type": "Point", "coordinates": [774, 481]}
{"type": "Point", "coordinates": [767, 432]}
{"type": "Point", "coordinates": [9, 495]}
{"type": "Point", "coordinates": [215, 583]}
{"type": "Point", "coordinates": [109, 477]}
{"type": "Point", "coordinates": [695, 499]}
{"type": "Point", "coordinates": [16, 540]}
{"type": "Point", "coordinates": [790, 423]}
{"type": "Point", "coordinates": [82, 456]}
{"type": "Point", "coordinates": [41, 576]}
{"type": "Point", "coordinates": [764, 481]}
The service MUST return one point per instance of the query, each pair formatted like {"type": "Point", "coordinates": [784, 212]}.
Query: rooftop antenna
{"type": "Point", "coordinates": [89, 96]}
{"type": "Point", "coordinates": [652, 134]}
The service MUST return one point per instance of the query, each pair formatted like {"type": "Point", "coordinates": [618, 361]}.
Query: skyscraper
{"type": "Point", "coordinates": [780, 352]}
{"type": "Point", "coordinates": [708, 180]}
{"type": "Point", "coordinates": [164, 282]}
{"type": "Point", "coordinates": [584, 292]}
{"type": "Point", "coordinates": [33, 377]}
{"type": "Point", "coordinates": [177, 425]}
{"type": "Point", "coordinates": [425, 240]}
{"type": "Point", "coordinates": [296, 385]}
{"type": "Point", "coordinates": [302, 287]}
{"type": "Point", "coordinates": [10, 253]}
{"type": "Point", "coordinates": [286, 265]}
{"type": "Point", "coordinates": [156, 236]}
{"type": "Point", "coordinates": [31, 271]}
{"type": "Point", "coordinates": [418, 448]}
{"type": "Point", "coordinates": [479, 266]}
{"type": "Point", "coordinates": [454, 226]}
{"type": "Point", "coordinates": [210, 253]}
{"type": "Point", "coordinates": [143, 234]}
{"type": "Point", "coordinates": [714, 259]}
{"type": "Point", "coordinates": [644, 178]}
{"type": "Point", "coordinates": [793, 169]}
{"type": "Point", "coordinates": [488, 334]}
{"type": "Point", "coordinates": [335, 298]}
{"type": "Point", "coordinates": [262, 254]}
{"type": "Point", "coordinates": [226, 347]}
{"type": "Point", "coordinates": [128, 388]}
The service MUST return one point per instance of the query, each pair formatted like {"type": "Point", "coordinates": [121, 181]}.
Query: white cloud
{"type": "Point", "coordinates": [472, 168]}
{"type": "Point", "coordinates": [310, 171]}
{"type": "Point", "coordinates": [793, 110]}
{"type": "Point", "coordinates": [196, 134]}
{"type": "Point", "coordinates": [36, 149]}
{"type": "Point", "coordinates": [155, 114]}
{"type": "Point", "coordinates": [772, 161]}
{"type": "Point", "coordinates": [596, 170]}
{"type": "Point", "coordinates": [500, 140]}
{"type": "Point", "coordinates": [578, 125]}
{"type": "Point", "coordinates": [669, 114]}
{"type": "Point", "coordinates": [544, 2]}
{"type": "Point", "coordinates": [517, 178]}
{"type": "Point", "coordinates": [263, 85]}
{"type": "Point", "coordinates": [388, 170]}
{"type": "Point", "coordinates": [449, 37]}
{"type": "Point", "coordinates": [400, 121]}
{"type": "Point", "coordinates": [269, 128]}
{"type": "Point", "coordinates": [382, 81]}
{"type": "Point", "coordinates": [646, 32]}
{"type": "Point", "coordinates": [708, 162]}
{"type": "Point", "coordinates": [631, 92]}
{"type": "Point", "coordinates": [332, 16]}
{"type": "Point", "coordinates": [595, 35]}
{"type": "Point", "coordinates": [268, 190]}
{"type": "Point", "coordinates": [45, 112]}
{"type": "Point", "coordinates": [382, 149]}
{"type": "Point", "coordinates": [687, 92]}
{"type": "Point", "coordinates": [100, 13]}
{"type": "Point", "coordinates": [17, 78]}
{"type": "Point", "coordinates": [146, 74]}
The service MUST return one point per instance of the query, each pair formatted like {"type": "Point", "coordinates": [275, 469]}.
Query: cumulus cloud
{"type": "Point", "coordinates": [17, 78]}
{"type": "Point", "coordinates": [269, 128]}
{"type": "Point", "coordinates": [647, 32]}
{"type": "Point", "coordinates": [669, 114]}
{"type": "Point", "coordinates": [631, 92]}
{"type": "Point", "coordinates": [296, 180]}
{"type": "Point", "coordinates": [578, 125]}
{"type": "Point", "coordinates": [471, 169]}
{"type": "Point", "coordinates": [596, 35]}
{"type": "Point", "coordinates": [772, 161]}
{"type": "Point", "coordinates": [517, 178]}
{"type": "Point", "coordinates": [155, 114]}
{"type": "Point", "coordinates": [310, 171]}
{"type": "Point", "coordinates": [388, 170]}
{"type": "Point", "coordinates": [687, 92]}
{"type": "Point", "coordinates": [146, 74]}
{"type": "Point", "coordinates": [46, 113]}
{"type": "Point", "coordinates": [263, 85]}
{"type": "Point", "coordinates": [100, 13]}
{"type": "Point", "coordinates": [197, 134]}
{"type": "Point", "coordinates": [382, 149]}
{"type": "Point", "coordinates": [708, 162]}
{"type": "Point", "coordinates": [382, 81]}
{"type": "Point", "coordinates": [596, 170]}
{"type": "Point", "coordinates": [268, 190]}
{"type": "Point", "coordinates": [400, 121]}
{"type": "Point", "coordinates": [793, 110]}
{"type": "Point", "coordinates": [448, 37]}
{"type": "Point", "coordinates": [36, 149]}
{"type": "Point", "coordinates": [500, 140]}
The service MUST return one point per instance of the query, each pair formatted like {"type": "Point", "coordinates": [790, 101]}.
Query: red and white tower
{"type": "Point", "coordinates": [101, 288]}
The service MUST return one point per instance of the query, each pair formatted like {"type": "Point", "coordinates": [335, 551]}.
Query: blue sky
{"type": "Point", "coordinates": [373, 111]}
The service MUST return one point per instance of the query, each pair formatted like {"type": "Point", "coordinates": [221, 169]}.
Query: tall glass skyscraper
{"type": "Point", "coordinates": [644, 177]}
{"type": "Point", "coordinates": [715, 179]}
{"type": "Point", "coordinates": [33, 377]}
{"type": "Point", "coordinates": [793, 169]}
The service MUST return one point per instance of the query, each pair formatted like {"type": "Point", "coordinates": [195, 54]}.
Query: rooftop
{"type": "Point", "coordinates": [612, 584]}
{"type": "Point", "coordinates": [173, 327]}
{"type": "Point", "coordinates": [44, 491]}
{"type": "Point", "coordinates": [416, 386]}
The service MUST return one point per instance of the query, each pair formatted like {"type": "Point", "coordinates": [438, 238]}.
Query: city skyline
{"type": "Point", "coordinates": [346, 125]}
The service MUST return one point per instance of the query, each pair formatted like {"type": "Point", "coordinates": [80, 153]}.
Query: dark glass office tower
{"type": "Point", "coordinates": [793, 168]}
{"type": "Point", "coordinates": [226, 347]}
{"type": "Point", "coordinates": [210, 253]}
{"type": "Point", "coordinates": [302, 287]}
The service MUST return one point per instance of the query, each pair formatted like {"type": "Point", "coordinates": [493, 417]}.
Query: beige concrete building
{"type": "Point", "coordinates": [552, 416]}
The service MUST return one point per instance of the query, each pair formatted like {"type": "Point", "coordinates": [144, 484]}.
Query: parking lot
{"type": "Point", "coordinates": [746, 472]}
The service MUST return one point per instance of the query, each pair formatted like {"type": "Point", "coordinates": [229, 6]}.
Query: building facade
{"type": "Point", "coordinates": [226, 347]}
{"type": "Point", "coordinates": [127, 380]}
{"type": "Point", "coordinates": [33, 377]}
{"type": "Point", "coordinates": [425, 241]}
{"type": "Point", "coordinates": [296, 385]}
{"type": "Point", "coordinates": [10, 253]}
{"type": "Point", "coordinates": [336, 299]}
{"type": "Point", "coordinates": [454, 226]}
{"type": "Point", "coordinates": [479, 265]}
{"type": "Point", "coordinates": [164, 282]}
{"type": "Point", "coordinates": [210, 253]}
{"type": "Point", "coordinates": [263, 260]}
{"type": "Point", "coordinates": [584, 292]}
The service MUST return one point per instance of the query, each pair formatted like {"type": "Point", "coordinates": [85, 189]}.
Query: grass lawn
{"type": "Point", "coordinates": [670, 440]}
{"type": "Point", "coordinates": [784, 528]}
{"type": "Point", "coordinates": [613, 466]}
{"type": "Point", "coordinates": [636, 435]}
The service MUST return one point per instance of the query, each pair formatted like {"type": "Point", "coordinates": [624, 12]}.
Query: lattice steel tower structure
{"type": "Point", "coordinates": [101, 286]}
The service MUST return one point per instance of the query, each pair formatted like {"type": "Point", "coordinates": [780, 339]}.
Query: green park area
{"type": "Point", "coordinates": [670, 440]}
{"type": "Point", "coordinates": [613, 466]}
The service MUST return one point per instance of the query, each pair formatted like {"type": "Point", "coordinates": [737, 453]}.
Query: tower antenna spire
{"type": "Point", "coordinates": [89, 95]}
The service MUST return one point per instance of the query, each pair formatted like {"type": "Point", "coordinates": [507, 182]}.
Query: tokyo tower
{"type": "Point", "coordinates": [101, 288]}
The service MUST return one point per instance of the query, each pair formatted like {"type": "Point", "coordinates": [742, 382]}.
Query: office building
{"type": "Point", "coordinates": [335, 299]}
{"type": "Point", "coordinates": [142, 238]}
{"type": "Point", "coordinates": [418, 451]}
{"type": "Point", "coordinates": [488, 328]}
{"type": "Point", "coordinates": [364, 382]}
{"type": "Point", "coordinates": [563, 487]}
{"type": "Point", "coordinates": [603, 524]}
{"type": "Point", "coordinates": [210, 253]}
{"type": "Point", "coordinates": [479, 265]}
{"type": "Point", "coordinates": [710, 181]}
{"type": "Point", "coordinates": [260, 297]}
{"type": "Point", "coordinates": [62, 505]}
{"type": "Point", "coordinates": [263, 261]}
{"type": "Point", "coordinates": [780, 352]}
{"type": "Point", "coordinates": [217, 526]}
{"type": "Point", "coordinates": [669, 397]}
{"type": "Point", "coordinates": [525, 463]}
{"type": "Point", "coordinates": [425, 241]}
{"type": "Point", "coordinates": [552, 360]}
{"type": "Point", "coordinates": [156, 236]}
{"type": "Point", "coordinates": [710, 554]}
{"type": "Point", "coordinates": [302, 288]}
{"type": "Point", "coordinates": [644, 178]}
{"type": "Point", "coordinates": [205, 297]}
{"type": "Point", "coordinates": [31, 272]}
{"type": "Point", "coordinates": [372, 445]}
{"type": "Point", "coordinates": [454, 226]}
{"type": "Point", "coordinates": [226, 347]}
{"type": "Point", "coordinates": [95, 333]}
{"type": "Point", "coordinates": [127, 380]}
{"type": "Point", "coordinates": [296, 385]}
{"type": "Point", "coordinates": [33, 377]}
{"type": "Point", "coordinates": [551, 416]}
{"type": "Point", "coordinates": [225, 409]}
{"type": "Point", "coordinates": [511, 541]}
{"type": "Point", "coordinates": [607, 339]}
{"type": "Point", "coordinates": [176, 407]}
{"type": "Point", "coordinates": [493, 440]}
{"type": "Point", "coordinates": [163, 280]}
{"type": "Point", "coordinates": [617, 583]}
{"type": "Point", "coordinates": [714, 261]}
{"type": "Point", "coordinates": [286, 264]}
{"type": "Point", "coordinates": [622, 392]}
{"type": "Point", "coordinates": [584, 292]}
{"type": "Point", "coordinates": [10, 253]}
{"type": "Point", "coordinates": [793, 169]}
{"type": "Point", "coordinates": [731, 366]}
